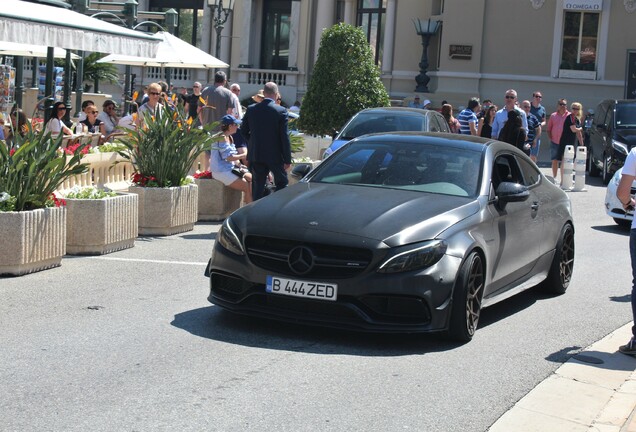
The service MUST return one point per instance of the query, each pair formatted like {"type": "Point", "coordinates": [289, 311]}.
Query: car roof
{"type": "Point", "coordinates": [468, 142]}
{"type": "Point", "coordinates": [395, 110]}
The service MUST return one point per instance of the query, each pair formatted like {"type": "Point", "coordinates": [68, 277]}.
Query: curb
{"type": "Point", "coordinates": [594, 390]}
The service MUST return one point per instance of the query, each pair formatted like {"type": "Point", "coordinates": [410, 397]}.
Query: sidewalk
{"type": "Point", "coordinates": [593, 391]}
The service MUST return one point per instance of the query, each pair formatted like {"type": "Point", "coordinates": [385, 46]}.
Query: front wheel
{"type": "Point", "coordinates": [467, 296]}
{"type": "Point", "coordinates": [562, 266]}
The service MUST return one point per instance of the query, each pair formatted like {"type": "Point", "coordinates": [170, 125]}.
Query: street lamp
{"type": "Point", "coordinates": [426, 29]}
{"type": "Point", "coordinates": [219, 18]}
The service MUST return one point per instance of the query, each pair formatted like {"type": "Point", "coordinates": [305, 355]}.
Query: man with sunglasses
{"type": "Point", "coordinates": [192, 101]}
{"type": "Point", "coordinates": [538, 111]}
{"type": "Point", "coordinates": [501, 117]}
{"type": "Point", "coordinates": [555, 129]}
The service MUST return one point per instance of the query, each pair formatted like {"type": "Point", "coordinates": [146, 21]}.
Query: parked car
{"type": "Point", "coordinates": [612, 135]}
{"type": "Point", "coordinates": [419, 238]}
{"type": "Point", "coordinates": [613, 206]}
{"type": "Point", "coordinates": [388, 119]}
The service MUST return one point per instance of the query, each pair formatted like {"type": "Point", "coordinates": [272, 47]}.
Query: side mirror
{"type": "Point", "coordinates": [511, 192]}
{"type": "Point", "coordinates": [334, 134]}
{"type": "Point", "coordinates": [300, 171]}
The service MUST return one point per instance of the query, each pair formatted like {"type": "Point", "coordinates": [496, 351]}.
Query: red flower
{"type": "Point", "coordinates": [11, 152]}
{"type": "Point", "coordinates": [203, 175]}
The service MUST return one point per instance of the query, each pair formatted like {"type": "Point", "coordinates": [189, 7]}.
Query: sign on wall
{"type": "Point", "coordinates": [460, 52]}
{"type": "Point", "coordinates": [583, 5]}
{"type": "Point", "coordinates": [630, 75]}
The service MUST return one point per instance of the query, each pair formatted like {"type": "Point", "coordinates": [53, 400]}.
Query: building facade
{"type": "Point", "coordinates": [577, 49]}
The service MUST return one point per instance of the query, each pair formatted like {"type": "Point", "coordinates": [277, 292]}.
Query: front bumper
{"type": "Point", "coordinates": [369, 301]}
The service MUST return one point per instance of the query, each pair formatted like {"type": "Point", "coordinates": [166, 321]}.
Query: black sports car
{"type": "Point", "coordinates": [404, 232]}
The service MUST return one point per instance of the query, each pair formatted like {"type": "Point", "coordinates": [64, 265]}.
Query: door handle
{"type": "Point", "coordinates": [535, 206]}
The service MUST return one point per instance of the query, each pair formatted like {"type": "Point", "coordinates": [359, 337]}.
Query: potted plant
{"type": "Point", "coordinates": [32, 218]}
{"type": "Point", "coordinates": [99, 221]}
{"type": "Point", "coordinates": [162, 150]}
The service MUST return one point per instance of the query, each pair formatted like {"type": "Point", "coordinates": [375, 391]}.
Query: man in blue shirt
{"type": "Point", "coordinates": [468, 119]}
{"type": "Point", "coordinates": [534, 131]}
{"type": "Point", "coordinates": [539, 112]}
{"type": "Point", "coordinates": [502, 115]}
{"type": "Point", "coordinates": [415, 103]}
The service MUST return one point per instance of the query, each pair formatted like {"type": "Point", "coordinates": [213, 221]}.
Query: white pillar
{"type": "Point", "coordinates": [389, 37]}
{"type": "Point", "coordinates": [324, 19]}
{"type": "Point", "coordinates": [246, 36]}
{"type": "Point", "coordinates": [293, 34]}
{"type": "Point", "coordinates": [349, 17]}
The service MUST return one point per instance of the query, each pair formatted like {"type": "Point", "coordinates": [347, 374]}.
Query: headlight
{"type": "Point", "coordinates": [230, 238]}
{"type": "Point", "coordinates": [620, 147]}
{"type": "Point", "coordinates": [424, 255]}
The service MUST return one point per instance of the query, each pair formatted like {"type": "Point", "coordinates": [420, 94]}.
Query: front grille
{"type": "Point", "coordinates": [330, 262]}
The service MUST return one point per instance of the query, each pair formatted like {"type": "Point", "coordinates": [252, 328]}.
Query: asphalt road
{"type": "Point", "coordinates": [128, 342]}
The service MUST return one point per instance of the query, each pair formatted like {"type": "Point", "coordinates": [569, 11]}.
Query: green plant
{"type": "Point", "coordinates": [345, 80]}
{"type": "Point", "coordinates": [34, 166]}
{"type": "Point", "coordinates": [164, 148]}
{"type": "Point", "coordinates": [89, 192]}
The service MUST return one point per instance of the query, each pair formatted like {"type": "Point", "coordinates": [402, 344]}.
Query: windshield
{"type": "Point", "coordinates": [626, 115]}
{"type": "Point", "coordinates": [409, 166]}
{"type": "Point", "coordinates": [373, 122]}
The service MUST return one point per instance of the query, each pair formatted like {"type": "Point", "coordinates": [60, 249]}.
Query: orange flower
{"type": "Point", "coordinates": [135, 95]}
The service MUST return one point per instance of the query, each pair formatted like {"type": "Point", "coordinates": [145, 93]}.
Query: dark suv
{"type": "Point", "coordinates": [612, 135]}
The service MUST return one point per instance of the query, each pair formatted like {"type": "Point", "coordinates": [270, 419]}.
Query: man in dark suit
{"type": "Point", "coordinates": [265, 129]}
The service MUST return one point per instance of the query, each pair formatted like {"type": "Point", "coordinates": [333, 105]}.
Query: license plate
{"type": "Point", "coordinates": [305, 289]}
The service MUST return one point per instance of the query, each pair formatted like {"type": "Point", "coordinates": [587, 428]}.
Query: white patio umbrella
{"type": "Point", "coordinates": [172, 52]}
{"type": "Point", "coordinates": [38, 24]}
{"type": "Point", "coordinates": [26, 50]}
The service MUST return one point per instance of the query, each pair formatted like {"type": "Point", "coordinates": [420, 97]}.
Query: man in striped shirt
{"type": "Point", "coordinates": [468, 119]}
{"type": "Point", "coordinates": [534, 130]}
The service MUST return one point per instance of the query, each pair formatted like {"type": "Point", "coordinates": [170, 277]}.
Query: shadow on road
{"type": "Point", "coordinates": [216, 324]}
{"type": "Point", "coordinates": [612, 229]}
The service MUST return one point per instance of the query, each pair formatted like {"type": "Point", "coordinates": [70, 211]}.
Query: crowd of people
{"type": "Point", "coordinates": [520, 124]}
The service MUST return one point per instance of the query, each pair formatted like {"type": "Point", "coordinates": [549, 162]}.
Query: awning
{"type": "Point", "coordinates": [173, 53]}
{"type": "Point", "coordinates": [25, 50]}
{"type": "Point", "coordinates": [37, 24]}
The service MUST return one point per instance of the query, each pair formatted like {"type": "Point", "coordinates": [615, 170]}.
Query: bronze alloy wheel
{"type": "Point", "coordinates": [467, 297]}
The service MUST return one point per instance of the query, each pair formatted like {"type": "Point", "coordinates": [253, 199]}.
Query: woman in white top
{"type": "Point", "coordinates": [224, 160]}
{"type": "Point", "coordinates": [55, 125]}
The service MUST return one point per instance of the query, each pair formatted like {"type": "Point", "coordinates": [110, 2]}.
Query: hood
{"type": "Point", "coordinates": [626, 136]}
{"type": "Point", "coordinates": [391, 216]}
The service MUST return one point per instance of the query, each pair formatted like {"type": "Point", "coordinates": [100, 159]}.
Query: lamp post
{"type": "Point", "coordinates": [426, 29]}
{"type": "Point", "coordinates": [219, 18]}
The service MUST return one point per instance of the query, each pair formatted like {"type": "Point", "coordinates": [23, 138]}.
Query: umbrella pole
{"type": "Point", "coordinates": [19, 80]}
{"type": "Point", "coordinates": [79, 83]}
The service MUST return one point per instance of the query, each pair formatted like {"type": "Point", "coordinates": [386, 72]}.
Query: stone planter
{"type": "Point", "coordinates": [216, 201]}
{"type": "Point", "coordinates": [101, 226]}
{"type": "Point", "coordinates": [166, 211]}
{"type": "Point", "coordinates": [32, 240]}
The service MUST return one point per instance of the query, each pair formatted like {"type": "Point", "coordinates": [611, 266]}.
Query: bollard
{"type": "Point", "coordinates": [579, 169]}
{"type": "Point", "coordinates": [568, 166]}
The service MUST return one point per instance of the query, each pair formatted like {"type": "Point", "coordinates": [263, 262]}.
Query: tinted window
{"type": "Point", "coordinates": [601, 112]}
{"type": "Point", "coordinates": [399, 165]}
{"type": "Point", "coordinates": [626, 115]}
{"type": "Point", "coordinates": [506, 169]}
{"type": "Point", "coordinates": [366, 123]}
{"type": "Point", "coordinates": [530, 172]}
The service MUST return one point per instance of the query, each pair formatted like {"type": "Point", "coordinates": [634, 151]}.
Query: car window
{"type": "Point", "coordinates": [366, 123]}
{"type": "Point", "coordinates": [409, 166]}
{"type": "Point", "coordinates": [506, 169]}
{"type": "Point", "coordinates": [530, 172]}
{"type": "Point", "coordinates": [626, 115]}
{"type": "Point", "coordinates": [434, 124]}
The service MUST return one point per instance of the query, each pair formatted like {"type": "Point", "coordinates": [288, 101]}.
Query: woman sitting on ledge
{"type": "Point", "coordinates": [224, 160]}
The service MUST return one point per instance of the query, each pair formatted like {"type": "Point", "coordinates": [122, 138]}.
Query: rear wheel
{"type": "Point", "coordinates": [593, 169]}
{"type": "Point", "coordinates": [466, 307]}
{"type": "Point", "coordinates": [562, 266]}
